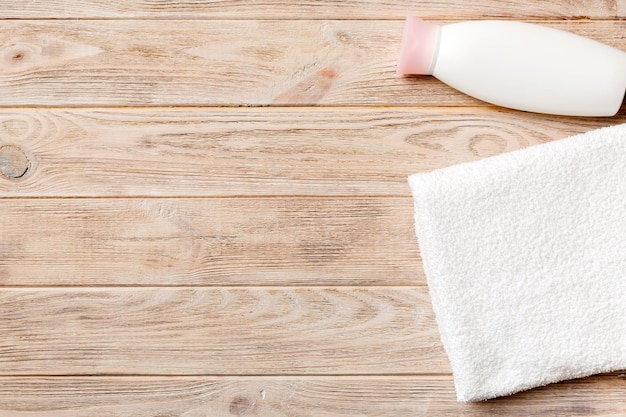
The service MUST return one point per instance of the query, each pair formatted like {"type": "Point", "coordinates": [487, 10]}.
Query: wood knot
{"type": "Point", "coordinates": [486, 145]}
{"type": "Point", "coordinates": [20, 55]}
{"type": "Point", "coordinates": [343, 37]}
{"type": "Point", "coordinates": [43, 52]}
{"type": "Point", "coordinates": [13, 162]}
{"type": "Point", "coordinates": [310, 90]}
{"type": "Point", "coordinates": [240, 406]}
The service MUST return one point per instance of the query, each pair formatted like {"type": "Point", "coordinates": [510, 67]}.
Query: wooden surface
{"type": "Point", "coordinates": [204, 208]}
{"type": "Point", "coordinates": [223, 63]}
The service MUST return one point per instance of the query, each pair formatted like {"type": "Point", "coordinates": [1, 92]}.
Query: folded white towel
{"type": "Point", "coordinates": [525, 257]}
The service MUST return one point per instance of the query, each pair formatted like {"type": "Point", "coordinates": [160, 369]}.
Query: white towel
{"type": "Point", "coordinates": [525, 257]}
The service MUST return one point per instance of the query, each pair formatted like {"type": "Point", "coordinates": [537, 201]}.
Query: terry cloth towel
{"type": "Point", "coordinates": [525, 257]}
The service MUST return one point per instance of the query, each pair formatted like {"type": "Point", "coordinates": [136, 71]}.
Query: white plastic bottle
{"type": "Point", "coordinates": [518, 65]}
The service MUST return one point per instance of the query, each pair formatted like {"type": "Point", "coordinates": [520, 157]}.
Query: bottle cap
{"type": "Point", "coordinates": [419, 46]}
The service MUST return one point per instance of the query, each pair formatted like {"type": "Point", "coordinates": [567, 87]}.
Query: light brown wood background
{"type": "Point", "coordinates": [204, 208]}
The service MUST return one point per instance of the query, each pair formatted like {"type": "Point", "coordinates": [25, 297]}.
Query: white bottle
{"type": "Point", "coordinates": [518, 65]}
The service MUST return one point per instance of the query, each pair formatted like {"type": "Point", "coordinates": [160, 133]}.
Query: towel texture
{"type": "Point", "coordinates": [525, 257]}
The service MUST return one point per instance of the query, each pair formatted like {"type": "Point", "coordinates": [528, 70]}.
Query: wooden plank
{"type": "Point", "coordinates": [232, 63]}
{"type": "Point", "coordinates": [296, 396]}
{"type": "Point", "coordinates": [270, 151]}
{"type": "Point", "coordinates": [306, 9]}
{"type": "Point", "coordinates": [159, 331]}
{"type": "Point", "coordinates": [241, 241]}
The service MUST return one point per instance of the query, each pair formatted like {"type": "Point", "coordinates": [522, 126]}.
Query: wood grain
{"type": "Point", "coordinates": [308, 9]}
{"type": "Point", "coordinates": [235, 152]}
{"type": "Point", "coordinates": [225, 63]}
{"type": "Point", "coordinates": [407, 396]}
{"type": "Point", "coordinates": [158, 331]}
{"type": "Point", "coordinates": [240, 241]}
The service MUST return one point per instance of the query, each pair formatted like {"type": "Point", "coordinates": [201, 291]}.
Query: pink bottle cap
{"type": "Point", "coordinates": [419, 43]}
